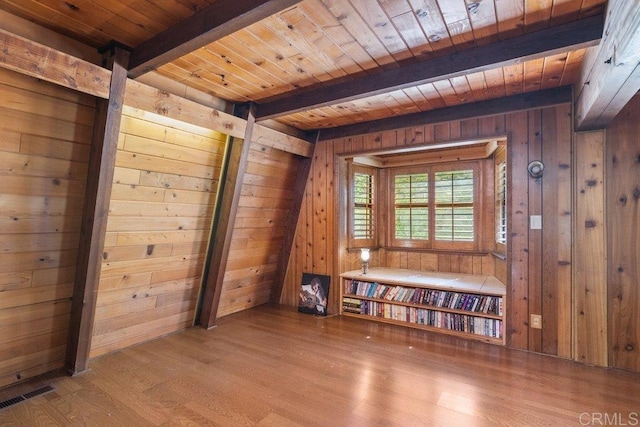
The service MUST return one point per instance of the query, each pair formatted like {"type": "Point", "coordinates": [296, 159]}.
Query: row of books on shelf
{"type": "Point", "coordinates": [436, 298]}
{"type": "Point", "coordinates": [423, 316]}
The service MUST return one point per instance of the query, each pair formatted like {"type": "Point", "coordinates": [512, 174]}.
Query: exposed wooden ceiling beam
{"type": "Point", "coordinates": [543, 98]}
{"type": "Point", "coordinates": [216, 21]}
{"type": "Point", "coordinates": [37, 60]}
{"type": "Point", "coordinates": [611, 73]}
{"type": "Point", "coordinates": [575, 35]}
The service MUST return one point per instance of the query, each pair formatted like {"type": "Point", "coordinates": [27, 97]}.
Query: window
{"type": "Point", "coordinates": [501, 202]}
{"type": "Point", "coordinates": [434, 206]}
{"type": "Point", "coordinates": [454, 206]}
{"type": "Point", "coordinates": [363, 206]}
{"type": "Point", "coordinates": [411, 206]}
{"type": "Point", "coordinates": [363, 210]}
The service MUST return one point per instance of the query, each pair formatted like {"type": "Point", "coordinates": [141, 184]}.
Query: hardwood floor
{"type": "Point", "coordinates": [272, 366]}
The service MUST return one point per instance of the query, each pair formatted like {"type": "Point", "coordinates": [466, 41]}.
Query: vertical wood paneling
{"type": "Point", "coordinates": [331, 220]}
{"type": "Point", "coordinates": [321, 192]}
{"type": "Point", "coordinates": [487, 232]}
{"type": "Point", "coordinates": [590, 269]}
{"type": "Point", "coordinates": [548, 260]}
{"type": "Point", "coordinates": [157, 231]}
{"type": "Point", "coordinates": [454, 263]}
{"type": "Point", "coordinates": [535, 236]}
{"type": "Point", "coordinates": [500, 270]}
{"type": "Point", "coordinates": [623, 225]}
{"type": "Point", "coordinates": [41, 200]}
{"type": "Point", "coordinates": [562, 139]}
{"type": "Point", "coordinates": [533, 135]}
{"type": "Point", "coordinates": [518, 232]}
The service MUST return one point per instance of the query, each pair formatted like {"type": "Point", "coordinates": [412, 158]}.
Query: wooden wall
{"type": "Point", "coordinates": [590, 291]}
{"type": "Point", "coordinates": [539, 268]}
{"type": "Point", "coordinates": [45, 133]}
{"type": "Point", "coordinates": [159, 224]}
{"type": "Point", "coordinates": [622, 210]}
{"type": "Point", "coordinates": [316, 241]}
{"type": "Point", "coordinates": [259, 229]}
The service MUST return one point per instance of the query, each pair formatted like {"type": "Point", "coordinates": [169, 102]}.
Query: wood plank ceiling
{"type": "Point", "coordinates": [309, 46]}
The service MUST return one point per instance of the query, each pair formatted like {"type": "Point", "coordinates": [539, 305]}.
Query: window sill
{"type": "Point", "coordinates": [500, 256]}
{"type": "Point", "coordinates": [438, 251]}
{"type": "Point", "coordinates": [427, 250]}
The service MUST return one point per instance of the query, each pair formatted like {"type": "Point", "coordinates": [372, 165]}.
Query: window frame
{"type": "Point", "coordinates": [500, 156]}
{"type": "Point", "coordinates": [362, 242]}
{"type": "Point", "coordinates": [392, 173]}
{"type": "Point", "coordinates": [431, 242]}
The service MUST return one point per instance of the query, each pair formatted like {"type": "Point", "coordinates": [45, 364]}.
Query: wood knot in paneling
{"type": "Point", "coordinates": [636, 193]}
{"type": "Point", "coordinates": [592, 182]}
{"type": "Point", "coordinates": [590, 223]}
{"type": "Point", "coordinates": [629, 347]}
{"type": "Point", "coordinates": [623, 199]}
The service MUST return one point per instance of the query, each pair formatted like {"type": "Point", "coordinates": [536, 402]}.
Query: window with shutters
{"type": "Point", "coordinates": [411, 206]}
{"type": "Point", "coordinates": [434, 206]}
{"type": "Point", "coordinates": [454, 206]}
{"type": "Point", "coordinates": [362, 222]}
{"type": "Point", "coordinates": [501, 202]}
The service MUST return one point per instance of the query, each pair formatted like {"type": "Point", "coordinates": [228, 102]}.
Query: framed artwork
{"type": "Point", "coordinates": [313, 294]}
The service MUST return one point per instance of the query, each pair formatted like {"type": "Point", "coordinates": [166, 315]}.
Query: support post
{"type": "Point", "coordinates": [230, 187]}
{"type": "Point", "coordinates": [106, 129]}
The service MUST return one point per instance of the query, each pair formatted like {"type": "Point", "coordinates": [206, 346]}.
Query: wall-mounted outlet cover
{"type": "Point", "coordinates": [536, 321]}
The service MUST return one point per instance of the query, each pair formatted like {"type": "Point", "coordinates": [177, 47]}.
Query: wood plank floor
{"type": "Point", "coordinates": [272, 366]}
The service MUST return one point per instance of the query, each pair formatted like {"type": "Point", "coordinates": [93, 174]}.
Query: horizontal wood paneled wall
{"type": "Point", "coordinates": [45, 134]}
{"type": "Point", "coordinates": [540, 287]}
{"type": "Point", "coordinates": [159, 224]}
{"type": "Point", "coordinates": [261, 220]}
{"type": "Point", "coordinates": [622, 210]}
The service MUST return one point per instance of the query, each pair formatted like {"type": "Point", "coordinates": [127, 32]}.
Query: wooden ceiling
{"type": "Point", "coordinates": [317, 64]}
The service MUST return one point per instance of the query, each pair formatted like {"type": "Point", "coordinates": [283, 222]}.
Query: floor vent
{"type": "Point", "coordinates": [37, 392]}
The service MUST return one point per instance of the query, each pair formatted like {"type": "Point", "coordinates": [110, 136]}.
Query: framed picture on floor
{"type": "Point", "coordinates": [313, 294]}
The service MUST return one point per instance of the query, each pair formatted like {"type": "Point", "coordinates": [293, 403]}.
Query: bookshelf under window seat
{"type": "Point", "coordinates": [465, 305]}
